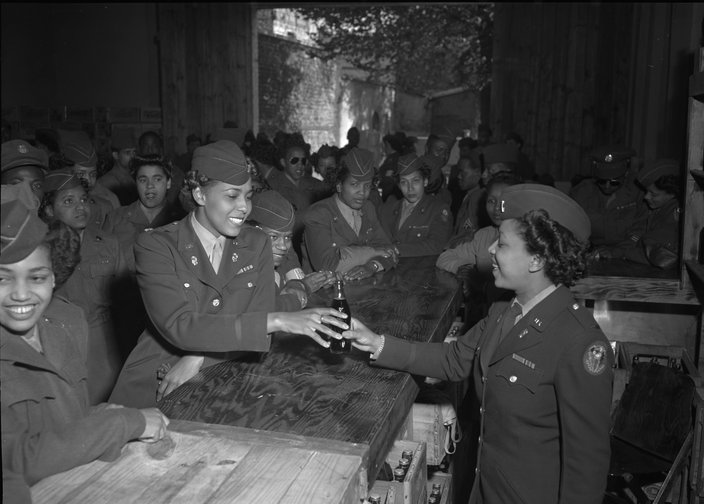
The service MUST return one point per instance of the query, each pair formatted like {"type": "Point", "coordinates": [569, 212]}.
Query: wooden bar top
{"type": "Point", "coordinates": [300, 388]}
{"type": "Point", "coordinates": [217, 464]}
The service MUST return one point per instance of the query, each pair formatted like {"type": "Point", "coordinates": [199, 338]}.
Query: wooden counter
{"type": "Point", "coordinates": [217, 464]}
{"type": "Point", "coordinates": [300, 388]}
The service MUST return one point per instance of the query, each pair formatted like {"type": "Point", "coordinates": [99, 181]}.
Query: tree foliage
{"type": "Point", "coordinates": [418, 48]}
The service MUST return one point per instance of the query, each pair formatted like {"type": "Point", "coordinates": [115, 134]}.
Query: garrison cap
{"type": "Point", "coordinates": [408, 163]}
{"type": "Point", "coordinates": [21, 230]}
{"type": "Point", "coordinates": [611, 161]}
{"type": "Point", "coordinates": [77, 147]}
{"type": "Point", "coordinates": [519, 199]}
{"type": "Point", "coordinates": [222, 160]}
{"type": "Point", "coordinates": [57, 180]}
{"type": "Point", "coordinates": [445, 135]}
{"type": "Point", "coordinates": [500, 153]}
{"type": "Point", "coordinates": [653, 170]}
{"type": "Point", "coordinates": [325, 151]}
{"type": "Point", "coordinates": [123, 138]}
{"type": "Point", "coordinates": [16, 153]}
{"type": "Point", "coordinates": [272, 210]}
{"type": "Point", "coordinates": [235, 135]}
{"type": "Point", "coordinates": [360, 163]}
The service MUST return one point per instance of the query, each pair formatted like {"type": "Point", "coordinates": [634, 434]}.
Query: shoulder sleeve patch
{"type": "Point", "coordinates": [595, 358]}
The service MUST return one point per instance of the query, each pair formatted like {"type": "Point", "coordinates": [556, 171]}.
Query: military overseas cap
{"type": "Point", "coordinates": [222, 160]}
{"type": "Point", "coordinates": [77, 147]}
{"type": "Point", "coordinates": [21, 231]}
{"type": "Point", "coordinates": [16, 153]}
{"type": "Point", "coordinates": [408, 163]}
{"type": "Point", "coordinates": [272, 210]}
{"type": "Point", "coordinates": [57, 180]}
{"type": "Point", "coordinates": [360, 163]}
{"type": "Point", "coordinates": [611, 161]}
{"type": "Point", "coordinates": [653, 170]}
{"type": "Point", "coordinates": [500, 153]}
{"type": "Point", "coordinates": [519, 199]}
{"type": "Point", "coordinates": [123, 138]}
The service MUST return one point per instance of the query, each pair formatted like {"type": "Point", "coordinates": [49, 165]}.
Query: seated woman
{"type": "Point", "coordinates": [274, 215]}
{"type": "Point", "coordinates": [48, 425]}
{"type": "Point", "coordinates": [342, 232]}
{"type": "Point", "coordinates": [418, 224]}
{"type": "Point", "coordinates": [152, 175]}
{"type": "Point", "coordinates": [207, 282]}
{"type": "Point", "coordinates": [541, 368]}
{"type": "Point", "coordinates": [97, 278]}
{"type": "Point", "coordinates": [659, 244]}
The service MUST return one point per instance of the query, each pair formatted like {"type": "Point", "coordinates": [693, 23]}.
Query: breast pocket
{"type": "Point", "coordinates": [243, 281]}
{"type": "Point", "coordinates": [101, 267]}
{"type": "Point", "coordinates": [419, 233]}
{"type": "Point", "coordinates": [517, 374]}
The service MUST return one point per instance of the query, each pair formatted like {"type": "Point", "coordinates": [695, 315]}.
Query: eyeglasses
{"type": "Point", "coordinates": [295, 160]}
{"type": "Point", "coordinates": [614, 182]}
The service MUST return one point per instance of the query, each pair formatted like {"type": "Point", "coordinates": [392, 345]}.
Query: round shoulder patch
{"type": "Point", "coordinates": [595, 358]}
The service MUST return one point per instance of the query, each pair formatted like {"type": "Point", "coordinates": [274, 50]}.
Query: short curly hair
{"type": "Point", "coordinates": [138, 161]}
{"type": "Point", "coordinates": [565, 256]}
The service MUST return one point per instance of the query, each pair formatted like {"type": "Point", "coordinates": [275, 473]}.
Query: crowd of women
{"type": "Point", "coordinates": [116, 289]}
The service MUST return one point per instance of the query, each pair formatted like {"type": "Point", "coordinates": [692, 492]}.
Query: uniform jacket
{"type": "Point", "coordinates": [474, 252]}
{"type": "Point", "coordinates": [308, 191]}
{"type": "Point", "coordinates": [47, 423]}
{"type": "Point", "coordinates": [467, 221]}
{"type": "Point", "coordinates": [95, 286]}
{"type": "Point", "coordinates": [191, 308]}
{"type": "Point", "coordinates": [327, 231]}
{"type": "Point", "coordinates": [660, 244]}
{"type": "Point", "coordinates": [541, 402]}
{"type": "Point", "coordinates": [424, 232]}
{"type": "Point", "coordinates": [128, 221]}
{"type": "Point", "coordinates": [616, 221]}
{"type": "Point", "coordinates": [119, 181]}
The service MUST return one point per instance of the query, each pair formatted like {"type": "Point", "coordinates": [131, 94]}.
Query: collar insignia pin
{"type": "Point", "coordinates": [194, 260]}
{"type": "Point", "coordinates": [235, 257]}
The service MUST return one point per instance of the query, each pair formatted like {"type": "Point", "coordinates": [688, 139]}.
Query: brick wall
{"type": "Point", "coordinates": [297, 92]}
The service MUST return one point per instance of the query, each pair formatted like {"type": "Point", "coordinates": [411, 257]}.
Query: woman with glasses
{"type": "Point", "coordinates": [207, 282]}
{"type": "Point", "coordinates": [95, 280]}
{"type": "Point", "coordinates": [659, 244]}
{"type": "Point", "coordinates": [611, 199]}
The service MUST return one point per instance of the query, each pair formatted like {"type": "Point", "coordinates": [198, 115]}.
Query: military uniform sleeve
{"type": "Point", "coordinates": [434, 243]}
{"type": "Point", "coordinates": [583, 385]}
{"type": "Point", "coordinates": [191, 329]}
{"type": "Point", "coordinates": [99, 435]}
{"type": "Point", "coordinates": [445, 361]}
{"type": "Point", "coordinates": [451, 259]}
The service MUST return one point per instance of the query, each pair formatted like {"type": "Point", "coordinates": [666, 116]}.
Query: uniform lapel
{"type": "Point", "coordinates": [345, 229]}
{"type": "Point", "coordinates": [193, 254]}
{"type": "Point", "coordinates": [528, 331]}
{"type": "Point", "coordinates": [236, 257]}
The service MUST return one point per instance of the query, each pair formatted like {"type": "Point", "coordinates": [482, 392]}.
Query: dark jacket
{"type": "Point", "coordinates": [424, 232]}
{"type": "Point", "coordinates": [192, 309]}
{"type": "Point", "coordinates": [540, 403]}
{"type": "Point", "coordinates": [47, 423]}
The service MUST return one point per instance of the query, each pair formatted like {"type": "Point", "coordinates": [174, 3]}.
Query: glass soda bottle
{"type": "Point", "coordinates": [339, 303]}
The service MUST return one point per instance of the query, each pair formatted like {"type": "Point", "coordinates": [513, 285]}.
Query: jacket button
{"type": "Point", "coordinates": [483, 379]}
{"type": "Point", "coordinates": [481, 410]}
{"type": "Point", "coordinates": [418, 235]}
{"type": "Point", "coordinates": [216, 302]}
{"type": "Point", "coordinates": [476, 470]}
{"type": "Point", "coordinates": [512, 379]}
{"type": "Point", "coordinates": [186, 285]}
{"type": "Point", "coordinates": [250, 284]}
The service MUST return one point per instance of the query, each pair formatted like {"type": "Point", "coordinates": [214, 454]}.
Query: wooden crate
{"type": "Point", "coordinates": [445, 480]}
{"type": "Point", "coordinates": [217, 464]}
{"type": "Point", "coordinates": [413, 489]}
{"type": "Point", "coordinates": [428, 427]}
{"type": "Point", "coordinates": [662, 353]}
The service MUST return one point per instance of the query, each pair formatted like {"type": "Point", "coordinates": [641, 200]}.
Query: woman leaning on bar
{"type": "Point", "coordinates": [541, 366]}
{"type": "Point", "coordinates": [207, 282]}
{"type": "Point", "coordinates": [48, 425]}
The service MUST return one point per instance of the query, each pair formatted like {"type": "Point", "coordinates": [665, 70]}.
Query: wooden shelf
{"type": "Point", "coordinates": [642, 290]}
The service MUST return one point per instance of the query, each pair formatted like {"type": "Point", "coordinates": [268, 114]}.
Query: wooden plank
{"type": "Point", "coordinates": [213, 465]}
{"type": "Point", "coordinates": [634, 289]}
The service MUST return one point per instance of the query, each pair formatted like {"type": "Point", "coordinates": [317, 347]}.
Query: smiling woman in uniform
{"type": "Point", "coordinates": [541, 367]}
{"type": "Point", "coordinates": [207, 283]}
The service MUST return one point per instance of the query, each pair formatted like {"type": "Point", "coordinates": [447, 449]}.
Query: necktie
{"type": "Point", "coordinates": [216, 254]}
{"type": "Point", "coordinates": [508, 320]}
{"type": "Point", "coordinates": [357, 218]}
